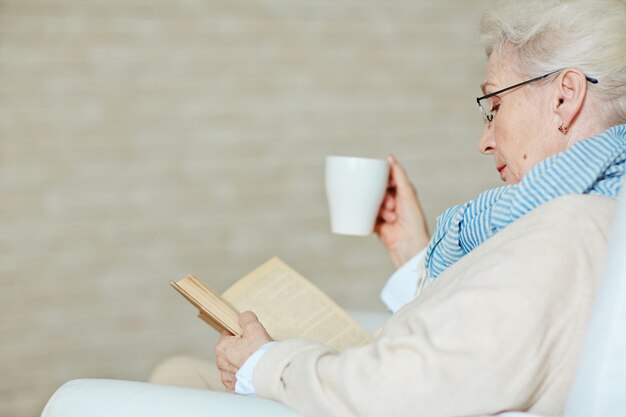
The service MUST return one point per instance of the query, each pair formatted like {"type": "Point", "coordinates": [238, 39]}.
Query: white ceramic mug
{"type": "Point", "coordinates": [355, 188]}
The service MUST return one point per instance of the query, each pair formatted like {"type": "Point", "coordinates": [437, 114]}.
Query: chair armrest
{"type": "Point", "coordinates": [113, 398]}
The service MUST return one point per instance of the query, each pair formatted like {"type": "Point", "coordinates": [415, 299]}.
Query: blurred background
{"type": "Point", "coordinates": [142, 140]}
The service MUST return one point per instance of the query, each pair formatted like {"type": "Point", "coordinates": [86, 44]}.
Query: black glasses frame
{"type": "Point", "coordinates": [489, 117]}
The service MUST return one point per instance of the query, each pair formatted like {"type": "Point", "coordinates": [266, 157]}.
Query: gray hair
{"type": "Point", "coordinates": [550, 34]}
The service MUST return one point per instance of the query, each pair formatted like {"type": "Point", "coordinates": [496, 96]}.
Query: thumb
{"type": "Point", "coordinates": [401, 179]}
{"type": "Point", "coordinates": [250, 325]}
{"type": "Point", "coordinates": [249, 322]}
{"type": "Point", "coordinates": [246, 318]}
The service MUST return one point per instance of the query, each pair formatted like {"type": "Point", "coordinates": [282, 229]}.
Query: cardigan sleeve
{"type": "Point", "coordinates": [499, 330]}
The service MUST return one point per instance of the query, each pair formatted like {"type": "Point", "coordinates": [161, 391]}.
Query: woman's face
{"type": "Point", "coordinates": [522, 131]}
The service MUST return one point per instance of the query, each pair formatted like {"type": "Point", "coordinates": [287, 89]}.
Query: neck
{"type": "Point", "coordinates": [583, 128]}
{"type": "Point", "coordinates": [585, 125]}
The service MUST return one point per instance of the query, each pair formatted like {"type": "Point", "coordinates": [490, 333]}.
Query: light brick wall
{"type": "Point", "coordinates": [141, 140]}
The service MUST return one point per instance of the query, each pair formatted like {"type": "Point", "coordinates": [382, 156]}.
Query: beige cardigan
{"type": "Point", "coordinates": [499, 330]}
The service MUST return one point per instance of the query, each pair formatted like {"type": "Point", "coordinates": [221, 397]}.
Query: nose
{"type": "Point", "coordinates": [487, 143]}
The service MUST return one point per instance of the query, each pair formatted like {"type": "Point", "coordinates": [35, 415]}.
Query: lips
{"type": "Point", "coordinates": [500, 169]}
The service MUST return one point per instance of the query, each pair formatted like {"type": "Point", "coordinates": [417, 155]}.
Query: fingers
{"type": "Point", "coordinates": [388, 216]}
{"type": "Point", "coordinates": [387, 212]}
{"type": "Point", "coordinates": [224, 366]}
{"type": "Point", "coordinates": [221, 346]}
{"type": "Point", "coordinates": [227, 370]}
{"type": "Point", "coordinates": [225, 334]}
{"type": "Point", "coordinates": [224, 344]}
{"type": "Point", "coordinates": [228, 380]}
{"type": "Point", "coordinates": [389, 203]}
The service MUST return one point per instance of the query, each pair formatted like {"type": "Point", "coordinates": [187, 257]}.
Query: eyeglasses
{"type": "Point", "coordinates": [488, 114]}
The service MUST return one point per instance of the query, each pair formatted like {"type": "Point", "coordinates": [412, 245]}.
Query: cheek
{"type": "Point", "coordinates": [514, 152]}
{"type": "Point", "coordinates": [513, 136]}
{"type": "Point", "coordinates": [518, 142]}
{"type": "Point", "coordinates": [526, 161]}
{"type": "Point", "coordinates": [507, 141]}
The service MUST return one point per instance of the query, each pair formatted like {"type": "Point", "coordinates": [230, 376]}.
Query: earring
{"type": "Point", "coordinates": [562, 128]}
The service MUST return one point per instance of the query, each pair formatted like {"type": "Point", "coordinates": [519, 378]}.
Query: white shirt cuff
{"type": "Point", "coordinates": [402, 287]}
{"type": "Point", "coordinates": [245, 374]}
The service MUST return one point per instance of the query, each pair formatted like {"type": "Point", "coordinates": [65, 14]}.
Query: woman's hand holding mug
{"type": "Point", "coordinates": [401, 224]}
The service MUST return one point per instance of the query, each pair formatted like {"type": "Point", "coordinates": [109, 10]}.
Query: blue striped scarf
{"type": "Point", "coordinates": [591, 166]}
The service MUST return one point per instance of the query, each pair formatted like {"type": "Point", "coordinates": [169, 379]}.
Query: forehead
{"type": "Point", "coordinates": [499, 73]}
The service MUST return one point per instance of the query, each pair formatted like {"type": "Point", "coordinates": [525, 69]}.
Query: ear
{"type": "Point", "coordinates": [570, 95]}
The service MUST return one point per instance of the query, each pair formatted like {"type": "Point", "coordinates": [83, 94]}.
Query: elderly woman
{"type": "Point", "coordinates": [512, 273]}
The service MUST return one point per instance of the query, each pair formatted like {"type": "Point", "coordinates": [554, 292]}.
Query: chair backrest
{"type": "Point", "coordinates": [599, 388]}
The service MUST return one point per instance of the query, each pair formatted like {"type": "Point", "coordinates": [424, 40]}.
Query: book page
{"type": "Point", "coordinates": [289, 306]}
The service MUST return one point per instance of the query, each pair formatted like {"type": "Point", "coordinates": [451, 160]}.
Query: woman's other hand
{"type": "Point", "coordinates": [232, 351]}
{"type": "Point", "coordinates": [401, 225]}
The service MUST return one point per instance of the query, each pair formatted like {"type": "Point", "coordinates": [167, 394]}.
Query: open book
{"type": "Point", "coordinates": [287, 304]}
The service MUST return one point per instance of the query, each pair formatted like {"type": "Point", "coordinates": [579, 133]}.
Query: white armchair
{"type": "Point", "coordinates": [116, 398]}
{"type": "Point", "coordinates": [111, 398]}
{"type": "Point", "coordinates": [599, 389]}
